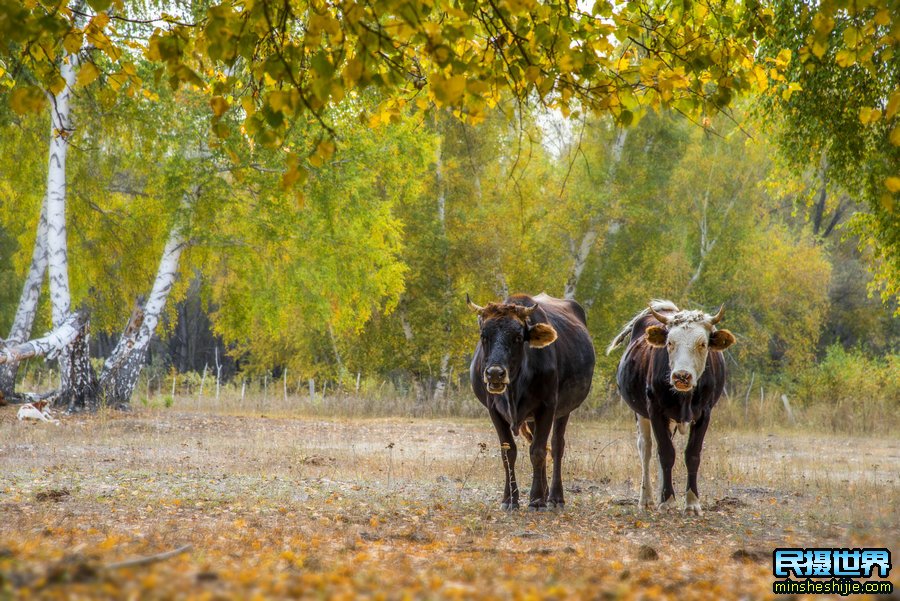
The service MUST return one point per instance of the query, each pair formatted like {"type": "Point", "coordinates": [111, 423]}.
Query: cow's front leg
{"type": "Point", "coordinates": [508, 455]}
{"type": "Point", "coordinates": [557, 448]}
{"type": "Point", "coordinates": [543, 423]}
{"type": "Point", "coordinates": [692, 461]}
{"type": "Point", "coordinates": [666, 454]}
{"type": "Point", "coordinates": [645, 449]}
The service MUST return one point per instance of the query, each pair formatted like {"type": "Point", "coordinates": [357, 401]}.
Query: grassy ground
{"type": "Point", "coordinates": [278, 505]}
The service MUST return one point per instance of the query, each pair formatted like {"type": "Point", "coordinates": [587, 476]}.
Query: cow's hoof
{"type": "Point", "coordinates": [667, 505]}
{"type": "Point", "coordinates": [537, 506]}
{"type": "Point", "coordinates": [507, 506]}
{"type": "Point", "coordinates": [556, 505]}
{"type": "Point", "coordinates": [692, 504]}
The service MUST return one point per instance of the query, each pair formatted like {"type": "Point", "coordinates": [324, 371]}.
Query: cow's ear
{"type": "Point", "coordinates": [721, 340]}
{"type": "Point", "coordinates": [656, 336]}
{"type": "Point", "coordinates": [541, 335]}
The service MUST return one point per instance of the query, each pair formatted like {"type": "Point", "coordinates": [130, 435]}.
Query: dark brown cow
{"type": "Point", "coordinates": [532, 367]}
{"type": "Point", "coordinates": [672, 373]}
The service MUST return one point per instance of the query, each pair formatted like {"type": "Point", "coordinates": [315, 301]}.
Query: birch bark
{"type": "Point", "coordinates": [28, 302]}
{"type": "Point", "coordinates": [77, 377]}
{"type": "Point", "coordinates": [581, 254]}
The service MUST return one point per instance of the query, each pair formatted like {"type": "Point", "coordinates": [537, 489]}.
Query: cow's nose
{"type": "Point", "coordinates": [683, 377]}
{"type": "Point", "coordinates": [495, 373]}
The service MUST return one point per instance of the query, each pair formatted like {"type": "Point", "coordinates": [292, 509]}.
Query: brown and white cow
{"type": "Point", "coordinates": [671, 374]}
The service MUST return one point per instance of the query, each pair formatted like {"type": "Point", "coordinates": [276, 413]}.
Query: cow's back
{"type": "Point", "coordinates": [574, 349]}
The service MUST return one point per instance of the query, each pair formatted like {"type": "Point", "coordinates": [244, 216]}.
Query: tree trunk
{"type": "Point", "coordinates": [82, 392]}
{"type": "Point", "coordinates": [580, 260]}
{"type": "Point", "coordinates": [73, 359]}
{"type": "Point", "coordinates": [28, 302]}
{"type": "Point", "coordinates": [583, 252]}
{"type": "Point", "coordinates": [50, 345]}
{"type": "Point", "coordinates": [123, 367]}
{"type": "Point", "coordinates": [440, 388]}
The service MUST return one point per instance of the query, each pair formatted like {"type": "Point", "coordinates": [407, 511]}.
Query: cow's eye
{"type": "Point", "coordinates": [702, 344]}
{"type": "Point", "coordinates": [518, 338]}
{"type": "Point", "coordinates": [670, 344]}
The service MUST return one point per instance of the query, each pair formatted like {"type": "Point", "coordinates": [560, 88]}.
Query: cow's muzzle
{"type": "Point", "coordinates": [682, 381]}
{"type": "Point", "coordinates": [496, 378]}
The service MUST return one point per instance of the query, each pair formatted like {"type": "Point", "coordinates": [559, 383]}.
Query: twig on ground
{"type": "Point", "coordinates": [150, 559]}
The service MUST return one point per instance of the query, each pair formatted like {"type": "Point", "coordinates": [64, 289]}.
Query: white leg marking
{"type": "Point", "coordinates": [692, 504]}
{"type": "Point", "coordinates": [645, 448]}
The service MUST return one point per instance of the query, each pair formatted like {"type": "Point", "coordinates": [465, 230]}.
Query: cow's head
{"type": "Point", "coordinates": [688, 337]}
{"type": "Point", "coordinates": [505, 332]}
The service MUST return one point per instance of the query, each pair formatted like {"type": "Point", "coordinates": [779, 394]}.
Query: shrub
{"type": "Point", "coordinates": [850, 390]}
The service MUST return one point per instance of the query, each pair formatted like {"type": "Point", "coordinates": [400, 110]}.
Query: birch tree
{"type": "Point", "coordinates": [28, 305]}
{"type": "Point", "coordinates": [602, 187]}
{"type": "Point", "coordinates": [123, 367]}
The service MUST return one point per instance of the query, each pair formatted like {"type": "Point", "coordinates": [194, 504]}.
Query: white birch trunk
{"type": "Point", "coordinates": [49, 345]}
{"type": "Point", "coordinates": [440, 389]}
{"type": "Point", "coordinates": [77, 386]}
{"type": "Point", "coordinates": [57, 251]}
{"type": "Point", "coordinates": [28, 302]}
{"type": "Point", "coordinates": [580, 260]}
{"type": "Point", "coordinates": [123, 367]}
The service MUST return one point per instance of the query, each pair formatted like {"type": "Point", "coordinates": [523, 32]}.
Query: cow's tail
{"type": "Point", "coordinates": [624, 336]}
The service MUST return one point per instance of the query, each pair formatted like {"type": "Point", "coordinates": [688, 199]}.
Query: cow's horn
{"type": "Point", "coordinates": [527, 311]}
{"type": "Point", "coordinates": [659, 316]}
{"type": "Point", "coordinates": [473, 306]}
{"type": "Point", "coordinates": [718, 316]}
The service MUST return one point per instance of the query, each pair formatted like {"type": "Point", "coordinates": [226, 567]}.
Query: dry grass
{"type": "Point", "coordinates": [279, 504]}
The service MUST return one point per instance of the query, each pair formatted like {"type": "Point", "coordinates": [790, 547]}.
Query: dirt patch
{"type": "Point", "coordinates": [283, 507]}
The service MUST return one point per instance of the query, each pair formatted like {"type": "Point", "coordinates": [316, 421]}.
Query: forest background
{"type": "Point", "coordinates": [330, 250]}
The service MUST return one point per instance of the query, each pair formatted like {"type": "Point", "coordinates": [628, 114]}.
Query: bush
{"type": "Point", "coordinates": [850, 390]}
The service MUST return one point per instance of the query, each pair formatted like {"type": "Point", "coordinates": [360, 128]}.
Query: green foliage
{"type": "Point", "coordinates": [844, 112]}
{"type": "Point", "coordinates": [291, 277]}
{"type": "Point", "coordinates": [856, 389]}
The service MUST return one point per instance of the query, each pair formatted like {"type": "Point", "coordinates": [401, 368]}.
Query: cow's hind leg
{"type": "Point", "coordinates": [557, 448]}
{"type": "Point", "coordinates": [692, 462]}
{"type": "Point", "coordinates": [645, 449]}
{"type": "Point", "coordinates": [665, 450]}
{"type": "Point", "coordinates": [508, 454]}
{"type": "Point", "coordinates": [543, 423]}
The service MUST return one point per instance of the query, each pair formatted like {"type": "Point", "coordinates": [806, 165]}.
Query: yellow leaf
{"type": "Point", "coordinates": [87, 74]}
{"type": "Point", "coordinates": [893, 104]}
{"type": "Point", "coordinates": [57, 84]}
{"type": "Point", "coordinates": [532, 73]}
{"type": "Point", "coordinates": [449, 90]}
{"type": "Point", "coordinates": [818, 48]}
{"type": "Point", "coordinates": [868, 115]}
{"type": "Point", "coordinates": [73, 41]}
{"type": "Point", "coordinates": [762, 81]}
{"type": "Point", "coordinates": [892, 184]}
{"type": "Point", "coordinates": [26, 99]}
{"type": "Point", "coordinates": [895, 135]}
{"type": "Point", "coordinates": [845, 58]}
{"type": "Point", "coordinates": [219, 105]}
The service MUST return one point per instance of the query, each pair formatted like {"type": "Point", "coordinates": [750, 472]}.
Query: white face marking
{"type": "Point", "coordinates": [688, 347]}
